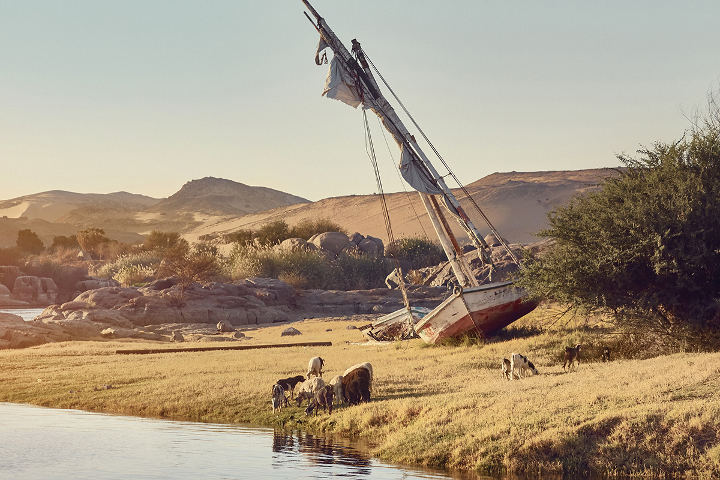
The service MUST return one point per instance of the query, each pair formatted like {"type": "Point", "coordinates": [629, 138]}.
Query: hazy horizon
{"type": "Point", "coordinates": [143, 97]}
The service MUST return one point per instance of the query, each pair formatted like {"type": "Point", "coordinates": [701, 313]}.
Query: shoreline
{"type": "Point", "coordinates": [440, 407]}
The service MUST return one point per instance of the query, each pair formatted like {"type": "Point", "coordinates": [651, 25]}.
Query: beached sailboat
{"type": "Point", "coordinates": [472, 308]}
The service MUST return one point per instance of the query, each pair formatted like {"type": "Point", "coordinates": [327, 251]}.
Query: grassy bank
{"type": "Point", "coordinates": [437, 406]}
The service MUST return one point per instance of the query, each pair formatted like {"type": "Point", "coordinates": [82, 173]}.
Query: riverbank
{"type": "Point", "coordinates": [442, 406]}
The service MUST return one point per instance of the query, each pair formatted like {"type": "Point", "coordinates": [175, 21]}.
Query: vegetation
{"type": "Point", "coordinates": [11, 256]}
{"type": "Point", "coordinates": [308, 269]}
{"type": "Point", "coordinates": [157, 240]}
{"type": "Point", "coordinates": [91, 240]}
{"type": "Point", "coordinates": [127, 267]}
{"type": "Point", "coordinates": [276, 231]}
{"type": "Point", "coordinates": [29, 242]}
{"type": "Point", "coordinates": [64, 242]}
{"type": "Point", "coordinates": [415, 252]}
{"type": "Point", "coordinates": [646, 246]}
{"type": "Point", "coordinates": [188, 265]}
{"type": "Point", "coordinates": [648, 417]}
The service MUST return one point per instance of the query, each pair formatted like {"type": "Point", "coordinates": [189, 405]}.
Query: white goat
{"type": "Point", "coordinates": [519, 364]}
{"type": "Point", "coordinates": [315, 366]}
{"type": "Point", "coordinates": [309, 388]}
{"type": "Point", "coordinates": [337, 385]}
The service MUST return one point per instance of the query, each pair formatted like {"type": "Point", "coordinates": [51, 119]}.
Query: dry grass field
{"type": "Point", "coordinates": [444, 406]}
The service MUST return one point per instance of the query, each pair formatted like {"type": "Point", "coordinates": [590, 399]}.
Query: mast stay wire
{"type": "Point", "coordinates": [402, 182]}
{"type": "Point", "coordinates": [447, 167]}
{"type": "Point", "coordinates": [370, 150]}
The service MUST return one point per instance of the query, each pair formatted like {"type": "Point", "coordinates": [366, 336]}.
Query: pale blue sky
{"type": "Point", "coordinates": [101, 96]}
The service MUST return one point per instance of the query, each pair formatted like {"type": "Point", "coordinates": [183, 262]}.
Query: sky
{"type": "Point", "coordinates": [142, 96]}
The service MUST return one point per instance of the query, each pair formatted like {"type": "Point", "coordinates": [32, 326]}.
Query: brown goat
{"type": "Point", "coordinates": [356, 386]}
{"type": "Point", "coordinates": [572, 356]}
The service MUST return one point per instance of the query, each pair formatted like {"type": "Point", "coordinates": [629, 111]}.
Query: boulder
{"type": "Point", "coordinates": [295, 245]}
{"type": "Point", "coordinates": [162, 283]}
{"type": "Point", "coordinates": [224, 326]}
{"type": "Point", "coordinates": [371, 246]}
{"type": "Point", "coordinates": [177, 336]}
{"type": "Point", "coordinates": [95, 283]}
{"type": "Point", "coordinates": [356, 238]}
{"type": "Point", "coordinates": [238, 334]}
{"type": "Point", "coordinates": [492, 240]}
{"type": "Point", "coordinates": [290, 331]}
{"type": "Point", "coordinates": [333, 242]}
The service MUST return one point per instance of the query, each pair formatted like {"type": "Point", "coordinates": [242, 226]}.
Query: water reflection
{"type": "Point", "coordinates": [43, 443]}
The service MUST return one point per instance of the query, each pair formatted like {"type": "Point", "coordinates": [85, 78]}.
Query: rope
{"type": "Point", "coordinates": [447, 167]}
{"type": "Point", "coordinates": [370, 150]}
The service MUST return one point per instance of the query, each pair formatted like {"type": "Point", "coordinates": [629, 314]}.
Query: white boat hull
{"type": "Point", "coordinates": [475, 311]}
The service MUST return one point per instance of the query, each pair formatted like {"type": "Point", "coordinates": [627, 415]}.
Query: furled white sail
{"type": "Point", "coordinates": [340, 85]}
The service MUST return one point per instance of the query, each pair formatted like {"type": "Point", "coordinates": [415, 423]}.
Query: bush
{"type": "Point", "coordinates": [307, 228]}
{"type": "Point", "coordinates": [91, 239]}
{"type": "Point", "coordinates": [242, 236]}
{"type": "Point", "coordinates": [157, 240]}
{"type": "Point", "coordinates": [272, 233]}
{"type": "Point", "coordinates": [415, 252]}
{"type": "Point", "coordinates": [646, 246]}
{"type": "Point", "coordinates": [29, 242]}
{"type": "Point", "coordinates": [134, 275]}
{"type": "Point", "coordinates": [64, 242]}
{"type": "Point", "coordinates": [149, 260]}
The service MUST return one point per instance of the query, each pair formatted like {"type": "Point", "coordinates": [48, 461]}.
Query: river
{"type": "Point", "coordinates": [26, 313]}
{"type": "Point", "coordinates": [45, 443]}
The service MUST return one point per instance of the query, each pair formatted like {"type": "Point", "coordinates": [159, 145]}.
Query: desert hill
{"type": "Point", "coordinates": [218, 196]}
{"type": "Point", "coordinates": [516, 202]}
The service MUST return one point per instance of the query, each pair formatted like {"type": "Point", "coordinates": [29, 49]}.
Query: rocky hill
{"type": "Point", "coordinates": [218, 196]}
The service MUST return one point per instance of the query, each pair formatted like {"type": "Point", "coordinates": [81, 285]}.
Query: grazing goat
{"type": "Point", "coordinates": [323, 398]}
{"type": "Point", "coordinates": [315, 366]}
{"type": "Point", "coordinates": [572, 357]}
{"type": "Point", "coordinates": [309, 388]}
{"type": "Point", "coordinates": [356, 386]}
{"type": "Point", "coordinates": [606, 354]}
{"type": "Point", "coordinates": [336, 383]}
{"type": "Point", "coordinates": [519, 364]}
{"type": "Point", "coordinates": [288, 384]}
{"type": "Point", "coordinates": [367, 366]}
{"type": "Point", "coordinates": [279, 399]}
{"type": "Point", "coordinates": [506, 367]}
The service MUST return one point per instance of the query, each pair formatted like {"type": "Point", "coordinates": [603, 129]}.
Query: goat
{"type": "Point", "coordinates": [323, 398]}
{"type": "Point", "coordinates": [572, 356]}
{"type": "Point", "coordinates": [519, 364]}
{"type": "Point", "coordinates": [288, 384]}
{"type": "Point", "coordinates": [336, 383]}
{"type": "Point", "coordinates": [308, 389]}
{"type": "Point", "coordinates": [315, 366]}
{"type": "Point", "coordinates": [367, 366]}
{"type": "Point", "coordinates": [606, 354]}
{"type": "Point", "coordinates": [356, 386]}
{"type": "Point", "coordinates": [278, 397]}
{"type": "Point", "coordinates": [506, 367]}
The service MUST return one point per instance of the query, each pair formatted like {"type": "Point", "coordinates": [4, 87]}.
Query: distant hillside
{"type": "Point", "coordinates": [218, 196]}
{"type": "Point", "coordinates": [516, 202]}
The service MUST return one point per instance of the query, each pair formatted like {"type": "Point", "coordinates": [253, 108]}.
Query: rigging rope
{"type": "Point", "coordinates": [447, 167]}
{"type": "Point", "coordinates": [386, 213]}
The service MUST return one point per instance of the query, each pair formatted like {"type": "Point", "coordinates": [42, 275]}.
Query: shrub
{"type": "Point", "coordinates": [64, 242]}
{"type": "Point", "coordinates": [272, 233]}
{"type": "Point", "coordinates": [91, 239]}
{"type": "Point", "coordinates": [415, 252]}
{"type": "Point", "coordinates": [242, 236]}
{"type": "Point", "coordinates": [150, 260]}
{"type": "Point", "coordinates": [354, 271]}
{"type": "Point", "coordinates": [646, 246]}
{"type": "Point", "coordinates": [157, 240]}
{"type": "Point", "coordinates": [307, 228]}
{"type": "Point", "coordinates": [29, 242]}
{"type": "Point", "coordinates": [133, 275]}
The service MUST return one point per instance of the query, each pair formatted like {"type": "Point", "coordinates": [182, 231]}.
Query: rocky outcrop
{"type": "Point", "coordinates": [333, 242]}
{"type": "Point", "coordinates": [295, 245]}
{"type": "Point", "coordinates": [17, 333]}
{"type": "Point", "coordinates": [35, 290]}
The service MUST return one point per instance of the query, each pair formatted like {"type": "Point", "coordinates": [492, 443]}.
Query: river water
{"type": "Point", "coordinates": [45, 443]}
{"type": "Point", "coordinates": [26, 313]}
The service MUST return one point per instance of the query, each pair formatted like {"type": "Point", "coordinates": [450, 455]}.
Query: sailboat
{"type": "Point", "coordinates": [472, 308]}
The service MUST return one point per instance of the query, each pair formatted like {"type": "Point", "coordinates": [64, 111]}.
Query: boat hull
{"type": "Point", "coordinates": [475, 311]}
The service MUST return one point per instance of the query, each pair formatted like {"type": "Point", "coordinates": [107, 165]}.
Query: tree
{"type": "Point", "coordinates": [189, 265]}
{"type": "Point", "coordinates": [29, 242]}
{"type": "Point", "coordinates": [91, 239]}
{"type": "Point", "coordinates": [157, 240]}
{"type": "Point", "coordinates": [646, 245]}
{"type": "Point", "coordinates": [62, 241]}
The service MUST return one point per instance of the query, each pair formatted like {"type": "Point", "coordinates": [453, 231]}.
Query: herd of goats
{"type": "Point", "coordinates": [355, 384]}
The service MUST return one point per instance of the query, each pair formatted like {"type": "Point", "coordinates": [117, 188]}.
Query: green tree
{"type": "Point", "coordinates": [646, 245]}
{"type": "Point", "coordinates": [29, 242]}
{"type": "Point", "coordinates": [91, 239]}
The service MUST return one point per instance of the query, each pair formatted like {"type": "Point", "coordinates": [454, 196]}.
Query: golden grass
{"type": "Point", "coordinates": [437, 406]}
